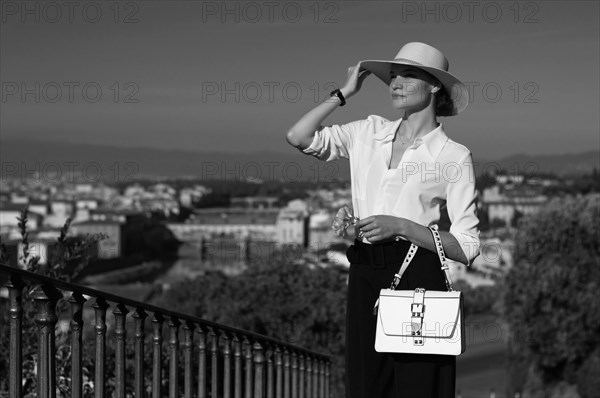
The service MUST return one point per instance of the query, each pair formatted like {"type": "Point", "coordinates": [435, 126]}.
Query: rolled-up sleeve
{"type": "Point", "coordinates": [461, 202]}
{"type": "Point", "coordinates": [332, 142]}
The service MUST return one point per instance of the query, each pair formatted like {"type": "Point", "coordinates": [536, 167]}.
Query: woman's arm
{"type": "Point", "coordinates": [461, 243]}
{"type": "Point", "coordinates": [422, 237]}
{"type": "Point", "coordinates": [382, 228]}
{"type": "Point", "coordinates": [302, 133]}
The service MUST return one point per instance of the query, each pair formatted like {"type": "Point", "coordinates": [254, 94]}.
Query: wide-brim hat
{"type": "Point", "coordinates": [432, 61]}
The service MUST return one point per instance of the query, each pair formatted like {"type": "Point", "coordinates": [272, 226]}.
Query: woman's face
{"type": "Point", "coordinates": [410, 87]}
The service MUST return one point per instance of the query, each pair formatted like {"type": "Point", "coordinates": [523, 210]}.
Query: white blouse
{"type": "Point", "coordinates": [433, 171]}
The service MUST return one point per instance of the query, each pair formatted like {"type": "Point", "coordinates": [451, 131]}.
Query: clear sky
{"type": "Point", "coordinates": [234, 76]}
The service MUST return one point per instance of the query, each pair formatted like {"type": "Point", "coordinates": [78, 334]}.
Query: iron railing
{"type": "Point", "coordinates": [230, 363]}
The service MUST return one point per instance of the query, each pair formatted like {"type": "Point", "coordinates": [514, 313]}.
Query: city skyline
{"type": "Point", "coordinates": [208, 76]}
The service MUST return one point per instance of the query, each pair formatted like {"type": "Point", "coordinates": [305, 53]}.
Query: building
{"type": "Point", "coordinates": [83, 206]}
{"type": "Point", "coordinates": [292, 224]}
{"type": "Point", "coordinates": [121, 216]}
{"type": "Point", "coordinates": [258, 225]}
{"type": "Point", "coordinates": [255, 202]}
{"type": "Point", "coordinates": [39, 207]}
{"type": "Point", "coordinates": [320, 234]}
{"type": "Point", "coordinates": [504, 204]}
{"type": "Point", "coordinates": [10, 212]}
{"type": "Point", "coordinates": [188, 197]}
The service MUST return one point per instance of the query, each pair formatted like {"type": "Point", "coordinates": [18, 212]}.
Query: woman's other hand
{"type": "Point", "coordinates": [380, 228]}
{"type": "Point", "coordinates": [356, 76]}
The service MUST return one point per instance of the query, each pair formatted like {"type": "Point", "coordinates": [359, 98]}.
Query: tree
{"type": "Point", "coordinates": [552, 293]}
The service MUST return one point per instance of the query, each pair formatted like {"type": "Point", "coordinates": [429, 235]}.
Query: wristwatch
{"type": "Point", "coordinates": [339, 94]}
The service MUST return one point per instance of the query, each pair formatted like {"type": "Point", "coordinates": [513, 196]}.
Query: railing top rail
{"type": "Point", "coordinates": [88, 291]}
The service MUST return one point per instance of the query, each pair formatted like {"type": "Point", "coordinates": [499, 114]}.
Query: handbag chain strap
{"type": "Point", "coordinates": [440, 251]}
{"type": "Point", "coordinates": [411, 253]}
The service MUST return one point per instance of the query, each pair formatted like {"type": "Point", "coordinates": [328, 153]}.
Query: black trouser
{"type": "Point", "coordinates": [370, 374]}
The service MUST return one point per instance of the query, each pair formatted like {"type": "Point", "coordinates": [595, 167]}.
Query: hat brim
{"type": "Point", "coordinates": [457, 90]}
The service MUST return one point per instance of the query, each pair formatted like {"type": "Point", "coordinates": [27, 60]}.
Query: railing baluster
{"type": "Point", "coordinates": [46, 298]}
{"type": "Point", "coordinates": [174, 357]}
{"type": "Point", "coordinates": [139, 317]}
{"type": "Point", "coordinates": [270, 373]}
{"type": "Point", "coordinates": [327, 377]}
{"type": "Point", "coordinates": [77, 302]}
{"type": "Point", "coordinates": [201, 363]}
{"type": "Point", "coordinates": [302, 378]}
{"type": "Point", "coordinates": [214, 364]}
{"type": "Point", "coordinates": [315, 378]}
{"type": "Point", "coordinates": [100, 307]}
{"type": "Point", "coordinates": [286, 373]}
{"type": "Point", "coordinates": [321, 378]}
{"type": "Point", "coordinates": [188, 350]}
{"type": "Point", "coordinates": [237, 354]}
{"type": "Point", "coordinates": [120, 312]}
{"type": "Point", "coordinates": [226, 366]}
{"type": "Point", "coordinates": [294, 375]}
{"type": "Point", "coordinates": [259, 363]}
{"type": "Point", "coordinates": [15, 295]}
{"type": "Point", "coordinates": [309, 391]}
{"type": "Point", "coordinates": [279, 366]}
{"type": "Point", "coordinates": [248, 364]}
{"type": "Point", "coordinates": [157, 322]}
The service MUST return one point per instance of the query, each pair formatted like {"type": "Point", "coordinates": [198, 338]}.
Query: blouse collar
{"type": "Point", "coordinates": [434, 141]}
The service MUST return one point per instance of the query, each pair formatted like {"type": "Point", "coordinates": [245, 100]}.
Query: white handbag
{"type": "Point", "coordinates": [420, 321]}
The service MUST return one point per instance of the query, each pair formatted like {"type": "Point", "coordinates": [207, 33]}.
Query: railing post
{"type": "Point", "coordinates": [201, 363]}
{"type": "Point", "coordinates": [15, 310]}
{"type": "Point", "coordinates": [120, 312]}
{"type": "Point", "coordinates": [270, 373]}
{"type": "Point", "coordinates": [321, 378]}
{"type": "Point", "coordinates": [214, 364]}
{"type": "Point", "coordinates": [279, 366]}
{"type": "Point", "coordinates": [100, 307]}
{"type": "Point", "coordinates": [174, 357]}
{"type": "Point", "coordinates": [77, 301]}
{"type": "Point", "coordinates": [157, 322]}
{"type": "Point", "coordinates": [237, 355]}
{"type": "Point", "coordinates": [226, 366]}
{"type": "Point", "coordinates": [259, 362]}
{"type": "Point", "coordinates": [313, 392]}
{"type": "Point", "coordinates": [315, 377]}
{"type": "Point", "coordinates": [286, 373]}
{"type": "Point", "coordinates": [302, 378]}
{"type": "Point", "coordinates": [46, 298]}
{"type": "Point", "coordinates": [248, 363]}
{"type": "Point", "coordinates": [294, 375]}
{"type": "Point", "coordinates": [188, 350]}
{"type": "Point", "coordinates": [309, 370]}
{"type": "Point", "coordinates": [327, 378]}
{"type": "Point", "coordinates": [139, 317]}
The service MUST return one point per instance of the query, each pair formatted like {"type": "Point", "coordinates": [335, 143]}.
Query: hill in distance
{"type": "Point", "coordinates": [21, 158]}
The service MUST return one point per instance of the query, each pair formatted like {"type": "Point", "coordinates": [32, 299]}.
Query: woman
{"type": "Point", "coordinates": [403, 172]}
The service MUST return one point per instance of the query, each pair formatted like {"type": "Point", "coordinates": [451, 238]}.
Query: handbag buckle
{"type": "Point", "coordinates": [417, 309]}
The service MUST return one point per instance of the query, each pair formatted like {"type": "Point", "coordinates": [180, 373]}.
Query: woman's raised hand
{"type": "Point", "coordinates": [356, 76]}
